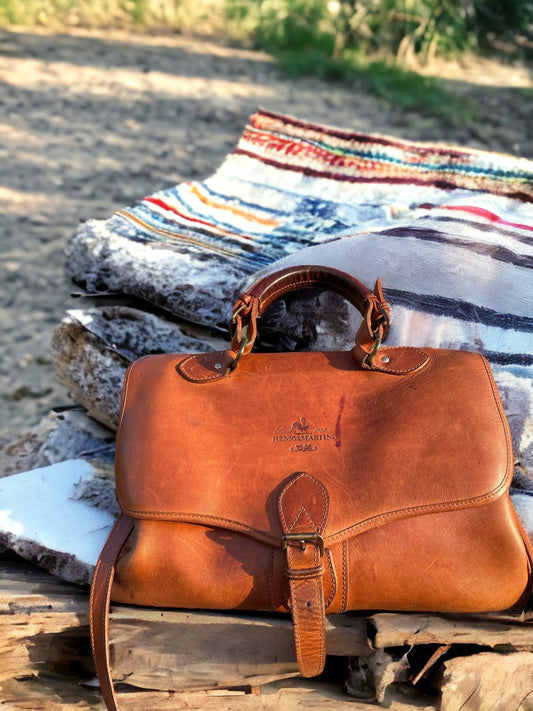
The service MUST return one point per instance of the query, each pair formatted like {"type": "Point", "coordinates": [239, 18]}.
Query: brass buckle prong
{"type": "Point", "coordinates": [377, 345]}
{"type": "Point", "coordinates": [386, 320]}
{"type": "Point", "coordinates": [302, 539]}
{"type": "Point", "coordinates": [237, 312]}
{"type": "Point", "coordinates": [235, 362]}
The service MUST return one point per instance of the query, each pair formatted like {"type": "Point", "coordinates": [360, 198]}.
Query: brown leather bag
{"type": "Point", "coordinates": [376, 478]}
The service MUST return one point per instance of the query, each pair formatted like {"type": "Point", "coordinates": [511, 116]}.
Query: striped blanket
{"type": "Point", "coordinates": [449, 231]}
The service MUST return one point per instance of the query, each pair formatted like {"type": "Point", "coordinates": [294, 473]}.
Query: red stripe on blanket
{"type": "Point", "coordinates": [491, 216]}
{"type": "Point", "coordinates": [166, 206]}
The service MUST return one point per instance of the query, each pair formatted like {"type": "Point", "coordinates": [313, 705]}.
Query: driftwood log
{"type": "Point", "coordinates": [93, 347]}
{"type": "Point", "coordinates": [233, 661]}
{"type": "Point", "coordinates": [67, 433]}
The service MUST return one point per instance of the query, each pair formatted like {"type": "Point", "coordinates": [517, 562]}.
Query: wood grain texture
{"type": "Point", "coordinates": [229, 662]}
{"type": "Point", "coordinates": [54, 694]}
{"type": "Point", "coordinates": [44, 625]}
{"type": "Point", "coordinates": [510, 630]}
{"type": "Point", "coordinates": [487, 681]}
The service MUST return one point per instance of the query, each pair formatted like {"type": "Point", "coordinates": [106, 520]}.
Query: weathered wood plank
{"type": "Point", "coordinates": [44, 623]}
{"type": "Point", "coordinates": [497, 630]}
{"type": "Point", "coordinates": [44, 629]}
{"type": "Point", "coordinates": [488, 681]}
{"type": "Point", "coordinates": [60, 435]}
{"type": "Point", "coordinates": [198, 649]}
{"type": "Point", "coordinates": [54, 694]}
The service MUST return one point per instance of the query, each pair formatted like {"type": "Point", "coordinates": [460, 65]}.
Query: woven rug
{"type": "Point", "coordinates": [449, 231]}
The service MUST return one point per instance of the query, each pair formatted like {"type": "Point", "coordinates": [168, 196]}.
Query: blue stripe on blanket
{"type": "Point", "coordinates": [509, 358]}
{"type": "Point", "coordinates": [498, 252]}
{"type": "Point", "coordinates": [463, 310]}
{"type": "Point", "coordinates": [483, 227]}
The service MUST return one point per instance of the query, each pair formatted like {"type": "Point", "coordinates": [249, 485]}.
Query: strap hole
{"type": "Point", "coordinates": [308, 603]}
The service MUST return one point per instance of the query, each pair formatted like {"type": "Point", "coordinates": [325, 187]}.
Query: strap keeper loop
{"type": "Point", "coordinates": [305, 573]}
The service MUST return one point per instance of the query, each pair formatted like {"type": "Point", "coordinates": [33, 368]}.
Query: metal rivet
{"type": "Point", "coordinates": [385, 359]}
{"type": "Point", "coordinates": [218, 366]}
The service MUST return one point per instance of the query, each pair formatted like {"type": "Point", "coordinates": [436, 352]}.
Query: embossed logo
{"type": "Point", "coordinates": [302, 435]}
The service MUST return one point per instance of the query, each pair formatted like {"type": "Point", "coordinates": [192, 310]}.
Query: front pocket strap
{"type": "Point", "coordinates": [303, 509]}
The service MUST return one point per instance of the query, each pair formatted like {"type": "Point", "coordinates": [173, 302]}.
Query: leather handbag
{"type": "Point", "coordinates": [315, 482]}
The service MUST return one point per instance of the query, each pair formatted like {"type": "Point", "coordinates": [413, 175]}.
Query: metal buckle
{"type": "Point", "coordinates": [369, 359]}
{"type": "Point", "coordinates": [386, 319]}
{"type": "Point", "coordinates": [377, 345]}
{"type": "Point", "coordinates": [302, 539]}
{"type": "Point", "coordinates": [237, 312]}
{"type": "Point", "coordinates": [235, 362]}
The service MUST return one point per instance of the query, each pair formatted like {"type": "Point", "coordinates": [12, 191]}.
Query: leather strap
{"type": "Point", "coordinates": [99, 606]}
{"type": "Point", "coordinates": [371, 305]}
{"type": "Point", "coordinates": [278, 284]}
{"type": "Point", "coordinates": [303, 509]}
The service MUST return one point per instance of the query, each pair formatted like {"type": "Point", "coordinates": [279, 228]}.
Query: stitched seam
{"type": "Point", "coordinates": [311, 574]}
{"type": "Point", "coordinates": [303, 510]}
{"type": "Point", "coordinates": [310, 283]}
{"type": "Point", "coordinates": [125, 389]}
{"type": "Point", "coordinates": [104, 615]}
{"type": "Point", "coordinates": [295, 622]}
{"type": "Point", "coordinates": [326, 502]}
{"type": "Point", "coordinates": [321, 614]}
{"type": "Point", "coordinates": [91, 603]}
{"type": "Point", "coordinates": [185, 517]}
{"type": "Point", "coordinates": [182, 365]}
{"type": "Point", "coordinates": [406, 513]}
{"type": "Point", "coordinates": [503, 420]}
{"type": "Point", "coordinates": [271, 579]}
{"type": "Point", "coordinates": [423, 360]}
{"type": "Point", "coordinates": [267, 538]}
{"type": "Point", "coordinates": [333, 580]}
{"type": "Point", "coordinates": [282, 495]}
{"type": "Point", "coordinates": [344, 571]}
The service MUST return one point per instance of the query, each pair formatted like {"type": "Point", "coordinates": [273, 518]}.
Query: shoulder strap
{"type": "Point", "coordinates": [99, 606]}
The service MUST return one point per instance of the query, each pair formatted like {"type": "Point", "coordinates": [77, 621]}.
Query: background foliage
{"type": "Point", "coordinates": [398, 27]}
{"type": "Point", "coordinates": [380, 42]}
{"type": "Point", "coordinates": [402, 28]}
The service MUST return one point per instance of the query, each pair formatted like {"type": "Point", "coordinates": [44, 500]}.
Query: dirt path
{"type": "Point", "coordinates": [90, 122]}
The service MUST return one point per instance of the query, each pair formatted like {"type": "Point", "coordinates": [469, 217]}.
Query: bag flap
{"type": "Point", "coordinates": [383, 446]}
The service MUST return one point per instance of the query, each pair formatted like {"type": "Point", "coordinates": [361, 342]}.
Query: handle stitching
{"type": "Point", "coordinates": [307, 282]}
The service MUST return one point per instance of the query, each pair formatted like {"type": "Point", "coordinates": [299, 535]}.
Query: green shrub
{"type": "Point", "coordinates": [401, 28]}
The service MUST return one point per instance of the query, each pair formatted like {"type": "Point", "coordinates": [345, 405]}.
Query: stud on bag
{"type": "Point", "coordinates": [311, 482]}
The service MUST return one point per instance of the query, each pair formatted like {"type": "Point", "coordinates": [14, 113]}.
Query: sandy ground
{"type": "Point", "coordinates": [92, 121]}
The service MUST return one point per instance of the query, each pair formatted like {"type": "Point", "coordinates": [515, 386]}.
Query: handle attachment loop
{"type": "Point", "coordinates": [371, 304]}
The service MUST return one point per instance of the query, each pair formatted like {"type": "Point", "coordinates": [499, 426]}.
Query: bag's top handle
{"type": "Point", "coordinates": [371, 305]}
